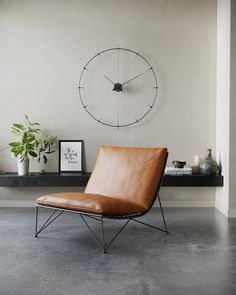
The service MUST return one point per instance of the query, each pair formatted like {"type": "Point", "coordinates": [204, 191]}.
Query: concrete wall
{"type": "Point", "coordinates": [232, 173]}
{"type": "Point", "coordinates": [226, 104]}
{"type": "Point", "coordinates": [223, 100]}
{"type": "Point", "coordinates": [45, 44]}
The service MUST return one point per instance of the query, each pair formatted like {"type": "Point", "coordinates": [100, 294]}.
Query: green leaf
{"type": "Point", "coordinates": [15, 143]}
{"type": "Point", "coordinates": [45, 159]}
{"type": "Point", "coordinates": [33, 154]}
{"type": "Point", "coordinates": [19, 126]}
{"type": "Point", "coordinates": [15, 131]}
{"type": "Point", "coordinates": [24, 139]}
{"type": "Point", "coordinates": [50, 152]}
{"type": "Point", "coordinates": [17, 153]}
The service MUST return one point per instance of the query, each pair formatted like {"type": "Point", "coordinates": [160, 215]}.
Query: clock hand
{"type": "Point", "coordinates": [109, 79]}
{"type": "Point", "coordinates": [136, 76]}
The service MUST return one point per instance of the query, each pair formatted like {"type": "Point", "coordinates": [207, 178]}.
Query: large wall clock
{"type": "Point", "coordinates": [118, 87]}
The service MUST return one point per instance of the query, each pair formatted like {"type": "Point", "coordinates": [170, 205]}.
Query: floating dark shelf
{"type": "Point", "coordinates": [193, 180]}
{"type": "Point", "coordinates": [81, 179]}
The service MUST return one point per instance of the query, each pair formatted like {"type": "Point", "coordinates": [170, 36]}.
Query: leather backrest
{"type": "Point", "coordinates": [131, 174]}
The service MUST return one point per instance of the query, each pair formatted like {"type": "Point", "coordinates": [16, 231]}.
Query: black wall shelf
{"type": "Point", "coordinates": [193, 180]}
{"type": "Point", "coordinates": [81, 179]}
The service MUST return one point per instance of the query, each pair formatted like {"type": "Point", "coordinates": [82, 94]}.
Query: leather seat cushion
{"type": "Point", "coordinates": [91, 203]}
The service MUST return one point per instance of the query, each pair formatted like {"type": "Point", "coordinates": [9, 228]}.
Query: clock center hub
{"type": "Point", "coordinates": [118, 87]}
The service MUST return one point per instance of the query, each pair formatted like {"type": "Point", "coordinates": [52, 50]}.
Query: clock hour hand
{"type": "Point", "coordinates": [126, 82]}
{"type": "Point", "coordinates": [109, 79]}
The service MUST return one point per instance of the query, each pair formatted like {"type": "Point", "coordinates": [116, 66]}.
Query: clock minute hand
{"type": "Point", "coordinates": [126, 82]}
{"type": "Point", "coordinates": [109, 79]}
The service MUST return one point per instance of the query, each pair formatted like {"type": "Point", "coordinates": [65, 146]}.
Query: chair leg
{"type": "Point", "coordinates": [36, 221]}
{"type": "Point", "coordinates": [116, 235]}
{"type": "Point", "coordinates": [47, 222]}
{"type": "Point", "coordinates": [101, 243]}
{"type": "Point", "coordinates": [162, 213]}
{"type": "Point", "coordinates": [103, 236]}
{"type": "Point", "coordinates": [152, 226]}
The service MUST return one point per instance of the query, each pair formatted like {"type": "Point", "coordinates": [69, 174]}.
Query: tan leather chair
{"type": "Point", "coordinates": [124, 185]}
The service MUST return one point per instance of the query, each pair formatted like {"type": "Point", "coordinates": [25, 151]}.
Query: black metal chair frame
{"type": "Point", "coordinates": [101, 242]}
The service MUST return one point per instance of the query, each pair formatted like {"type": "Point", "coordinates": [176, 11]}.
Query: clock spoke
{"type": "Point", "coordinates": [118, 109]}
{"type": "Point", "coordinates": [118, 64]}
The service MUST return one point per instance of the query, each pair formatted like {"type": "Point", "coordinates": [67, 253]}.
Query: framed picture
{"type": "Point", "coordinates": [70, 156]}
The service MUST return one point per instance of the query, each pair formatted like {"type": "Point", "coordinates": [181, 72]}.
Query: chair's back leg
{"type": "Point", "coordinates": [162, 213]}
{"type": "Point", "coordinates": [103, 236]}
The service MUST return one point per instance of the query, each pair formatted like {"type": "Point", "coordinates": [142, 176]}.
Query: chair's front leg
{"type": "Point", "coordinates": [47, 222]}
{"type": "Point", "coordinates": [36, 222]}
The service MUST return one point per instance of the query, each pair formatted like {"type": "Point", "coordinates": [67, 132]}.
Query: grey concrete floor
{"type": "Point", "coordinates": [197, 257]}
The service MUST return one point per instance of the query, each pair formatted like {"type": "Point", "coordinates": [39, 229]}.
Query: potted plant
{"type": "Point", "coordinates": [33, 142]}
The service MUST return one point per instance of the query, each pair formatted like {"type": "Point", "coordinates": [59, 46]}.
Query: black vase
{"type": "Point", "coordinates": [208, 166]}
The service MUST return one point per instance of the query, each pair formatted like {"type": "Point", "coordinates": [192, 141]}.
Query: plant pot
{"type": "Point", "coordinates": [23, 166]}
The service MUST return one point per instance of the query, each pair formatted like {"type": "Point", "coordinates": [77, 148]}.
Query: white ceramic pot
{"type": "Point", "coordinates": [23, 166]}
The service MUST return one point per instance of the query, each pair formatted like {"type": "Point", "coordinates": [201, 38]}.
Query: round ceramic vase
{"type": "Point", "coordinates": [209, 166]}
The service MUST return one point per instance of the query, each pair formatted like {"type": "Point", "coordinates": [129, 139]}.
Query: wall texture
{"type": "Point", "coordinates": [45, 44]}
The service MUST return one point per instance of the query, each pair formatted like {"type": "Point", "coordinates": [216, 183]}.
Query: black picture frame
{"type": "Point", "coordinates": [72, 162]}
